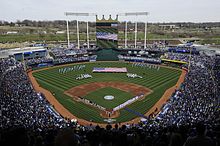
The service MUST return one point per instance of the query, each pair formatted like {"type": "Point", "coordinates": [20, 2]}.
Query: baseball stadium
{"type": "Point", "coordinates": [136, 89]}
{"type": "Point", "coordinates": [119, 88]}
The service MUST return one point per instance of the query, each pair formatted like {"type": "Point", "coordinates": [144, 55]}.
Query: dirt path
{"type": "Point", "coordinates": [65, 113]}
{"type": "Point", "coordinates": [83, 90]}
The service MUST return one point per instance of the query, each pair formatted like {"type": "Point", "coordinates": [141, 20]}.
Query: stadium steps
{"type": "Point", "coordinates": [136, 113]}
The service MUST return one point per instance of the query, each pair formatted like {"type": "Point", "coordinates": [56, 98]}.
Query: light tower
{"type": "Point", "coordinates": [126, 33]}
{"type": "Point", "coordinates": [126, 27]}
{"type": "Point", "coordinates": [135, 35]}
{"type": "Point", "coordinates": [68, 33]}
{"type": "Point", "coordinates": [87, 33]}
{"type": "Point", "coordinates": [145, 35]}
{"type": "Point", "coordinates": [77, 27]}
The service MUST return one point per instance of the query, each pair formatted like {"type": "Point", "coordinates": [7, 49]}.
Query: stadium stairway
{"type": "Point", "coordinates": [136, 113]}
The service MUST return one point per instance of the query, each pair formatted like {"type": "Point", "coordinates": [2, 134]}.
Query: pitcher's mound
{"type": "Point", "coordinates": [109, 97]}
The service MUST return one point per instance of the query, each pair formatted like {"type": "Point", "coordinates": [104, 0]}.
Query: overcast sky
{"type": "Point", "coordinates": [160, 10]}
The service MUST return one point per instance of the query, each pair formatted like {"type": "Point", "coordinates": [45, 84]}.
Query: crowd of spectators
{"type": "Point", "coordinates": [20, 104]}
{"type": "Point", "coordinates": [37, 61]}
{"type": "Point", "coordinates": [157, 45]}
{"type": "Point", "coordinates": [177, 56]}
{"type": "Point", "coordinates": [70, 55]}
{"type": "Point", "coordinates": [59, 59]}
{"type": "Point", "coordinates": [197, 99]}
{"type": "Point", "coordinates": [71, 59]}
{"type": "Point", "coordinates": [190, 117]}
{"type": "Point", "coordinates": [61, 52]}
{"type": "Point", "coordinates": [140, 59]}
{"type": "Point", "coordinates": [183, 49]}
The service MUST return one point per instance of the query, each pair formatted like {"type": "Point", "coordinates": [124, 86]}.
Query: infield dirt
{"type": "Point", "coordinates": [85, 89]}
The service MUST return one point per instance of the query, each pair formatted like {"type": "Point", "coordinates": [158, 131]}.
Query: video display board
{"type": "Point", "coordinates": [107, 33]}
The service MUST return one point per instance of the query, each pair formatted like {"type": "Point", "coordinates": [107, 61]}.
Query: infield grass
{"type": "Point", "coordinates": [98, 97]}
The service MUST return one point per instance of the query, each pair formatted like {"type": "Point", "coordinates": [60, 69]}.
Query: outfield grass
{"type": "Point", "coordinates": [98, 97]}
{"type": "Point", "coordinates": [158, 81]}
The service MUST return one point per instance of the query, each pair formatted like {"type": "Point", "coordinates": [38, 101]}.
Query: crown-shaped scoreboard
{"type": "Point", "coordinates": [107, 32]}
{"type": "Point", "coordinates": [110, 20]}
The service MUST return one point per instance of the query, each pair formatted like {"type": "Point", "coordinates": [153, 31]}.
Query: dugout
{"type": "Point", "coordinates": [174, 63]}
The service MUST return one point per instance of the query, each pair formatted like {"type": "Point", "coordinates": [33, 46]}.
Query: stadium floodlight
{"type": "Point", "coordinates": [145, 29]}
{"type": "Point", "coordinates": [79, 14]}
{"type": "Point", "coordinates": [134, 14]}
{"type": "Point", "coordinates": [77, 26]}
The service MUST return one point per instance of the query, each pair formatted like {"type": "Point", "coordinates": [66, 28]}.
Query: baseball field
{"type": "Point", "coordinates": [152, 82]}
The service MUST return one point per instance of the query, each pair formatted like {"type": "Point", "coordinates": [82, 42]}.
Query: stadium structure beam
{"type": "Point", "coordinates": [134, 14]}
{"type": "Point", "coordinates": [126, 33]}
{"type": "Point", "coordinates": [145, 31]}
{"type": "Point", "coordinates": [145, 36]}
{"type": "Point", "coordinates": [87, 33]}
{"type": "Point", "coordinates": [68, 34]}
{"type": "Point", "coordinates": [77, 33]}
{"type": "Point", "coordinates": [77, 26]}
{"type": "Point", "coordinates": [79, 14]}
{"type": "Point", "coordinates": [135, 35]}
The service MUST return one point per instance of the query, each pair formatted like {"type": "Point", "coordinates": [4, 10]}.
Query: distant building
{"type": "Point", "coordinates": [170, 27]}
{"type": "Point", "coordinates": [43, 32]}
{"type": "Point", "coordinates": [26, 53]}
{"type": "Point", "coordinates": [19, 25]}
{"type": "Point", "coordinates": [60, 32]}
{"type": "Point", "coordinates": [11, 32]}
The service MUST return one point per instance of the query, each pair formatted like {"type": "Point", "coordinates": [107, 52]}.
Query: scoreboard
{"type": "Point", "coordinates": [107, 32]}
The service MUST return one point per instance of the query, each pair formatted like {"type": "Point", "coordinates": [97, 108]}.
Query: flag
{"type": "Point", "coordinates": [106, 36]}
{"type": "Point", "coordinates": [110, 69]}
